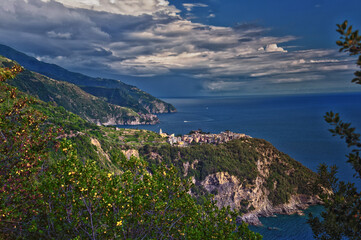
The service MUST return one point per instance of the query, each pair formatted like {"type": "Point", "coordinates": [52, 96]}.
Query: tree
{"type": "Point", "coordinates": [24, 142]}
{"type": "Point", "coordinates": [88, 202]}
{"type": "Point", "coordinates": [342, 215]}
{"type": "Point", "coordinates": [66, 198]}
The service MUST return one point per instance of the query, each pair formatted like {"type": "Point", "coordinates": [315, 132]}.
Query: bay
{"type": "Point", "coordinates": [293, 124]}
{"type": "Point", "coordinates": [283, 227]}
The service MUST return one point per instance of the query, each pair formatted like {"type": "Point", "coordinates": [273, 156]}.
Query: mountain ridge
{"type": "Point", "coordinates": [126, 95]}
{"type": "Point", "coordinates": [74, 99]}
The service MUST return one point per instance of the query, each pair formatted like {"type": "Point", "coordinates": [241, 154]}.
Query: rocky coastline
{"type": "Point", "coordinates": [253, 198]}
{"type": "Point", "coordinates": [142, 119]}
{"type": "Point", "coordinates": [296, 205]}
{"type": "Point", "coordinates": [230, 191]}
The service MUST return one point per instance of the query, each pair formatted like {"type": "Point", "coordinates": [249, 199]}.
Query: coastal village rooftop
{"type": "Point", "coordinates": [200, 137]}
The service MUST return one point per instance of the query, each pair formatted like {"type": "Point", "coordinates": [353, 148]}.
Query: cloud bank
{"type": "Point", "coordinates": [190, 6]}
{"type": "Point", "coordinates": [148, 38]}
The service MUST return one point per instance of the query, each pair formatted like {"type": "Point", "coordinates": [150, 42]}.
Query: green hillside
{"type": "Point", "coordinates": [113, 91]}
{"type": "Point", "coordinates": [50, 192]}
{"type": "Point", "coordinates": [238, 157]}
{"type": "Point", "coordinates": [134, 98]}
{"type": "Point", "coordinates": [73, 98]}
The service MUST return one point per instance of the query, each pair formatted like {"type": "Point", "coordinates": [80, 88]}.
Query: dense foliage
{"type": "Point", "coordinates": [342, 216]}
{"type": "Point", "coordinates": [286, 175]}
{"type": "Point", "coordinates": [235, 157]}
{"type": "Point", "coordinates": [69, 198]}
{"type": "Point", "coordinates": [238, 158]}
{"type": "Point", "coordinates": [24, 142]}
{"type": "Point", "coordinates": [94, 203]}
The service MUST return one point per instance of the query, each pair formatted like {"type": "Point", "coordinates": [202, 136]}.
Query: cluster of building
{"type": "Point", "coordinates": [200, 137]}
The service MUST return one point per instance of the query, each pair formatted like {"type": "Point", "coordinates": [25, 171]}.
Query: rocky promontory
{"type": "Point", "coordinates": [247, 174]}
{"type": "Point", "coordinates": [253, 200]}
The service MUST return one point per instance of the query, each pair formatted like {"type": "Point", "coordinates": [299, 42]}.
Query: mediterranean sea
{"type": "Point", "coordinates": [294, 124]}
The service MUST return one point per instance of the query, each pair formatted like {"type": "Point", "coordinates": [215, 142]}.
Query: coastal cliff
{"type": "Point", "coordinates": [252, 200]}
{"type": "Point", "coordinates": [128, 119]}
{"type": "Point", "coordinates": [249, 175]}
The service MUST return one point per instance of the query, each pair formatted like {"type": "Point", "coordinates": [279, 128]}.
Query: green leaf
{"type": "Point", "coordinates": [349, 30]}
{"type": "Point", "coordinates": [344, 25]}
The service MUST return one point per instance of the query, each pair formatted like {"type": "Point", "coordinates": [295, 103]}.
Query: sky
{"type": "Point", "coordinates": [178, 48]}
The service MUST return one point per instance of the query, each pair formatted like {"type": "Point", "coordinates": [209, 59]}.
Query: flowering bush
{"type": "Point", "coordinates": [73, 199]}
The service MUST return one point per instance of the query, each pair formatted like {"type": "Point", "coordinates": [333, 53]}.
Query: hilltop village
{"type": "Point", "coordinates": [201, 137]}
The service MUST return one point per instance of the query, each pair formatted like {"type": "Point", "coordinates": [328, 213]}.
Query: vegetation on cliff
{"type": "Point", "coordinates": [113, 91]}
{"type": "Point", "coordinates": [72, 98]}
{"type": "Point", "coordinates": [57, 195]}
{"type": "Point", "coordinates": [239, 158]}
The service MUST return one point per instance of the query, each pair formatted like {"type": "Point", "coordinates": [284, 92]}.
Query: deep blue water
{"type": "Point", "coordinates": [285, 227]}
{"type": "Point", "coordinates": [293, 124]}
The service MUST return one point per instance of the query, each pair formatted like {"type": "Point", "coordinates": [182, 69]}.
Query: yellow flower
{"type": "Point", "coordinates": [120, 223]}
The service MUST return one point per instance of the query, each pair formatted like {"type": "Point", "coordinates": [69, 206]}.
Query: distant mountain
{"type": "Point", "coordinates": [113, 91]}
{"type": "Point", "coordinates": [75, 100]}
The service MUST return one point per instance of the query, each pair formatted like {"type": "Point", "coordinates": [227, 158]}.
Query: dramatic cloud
{"type": "Point", "coordinates": [124, 7]}
{"type": "Point", "coordinates": [190, 6]}
{"type": "Point", "coordinates": [148, 38]}
{"type": "Point", "coordinates": [274, 48]}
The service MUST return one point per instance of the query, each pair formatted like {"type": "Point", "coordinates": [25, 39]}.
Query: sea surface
{"type": "Point", "coordinates": [293, 124]}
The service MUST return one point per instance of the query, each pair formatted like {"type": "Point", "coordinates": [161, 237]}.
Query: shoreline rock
{"type": "Point", "coordinates": [297, 204]}
{"type": "Point", "coordinates": [144, 119]}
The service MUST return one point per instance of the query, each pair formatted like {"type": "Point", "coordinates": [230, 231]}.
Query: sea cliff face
{"type": "Point", "coordinates": [228, 190]}
{"type": "Point", "coordinates": [139, 119]}
{"type": "Point", "coordinates": [157, 106]}
{"type": "Point", "coordinates": [274, 190]}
